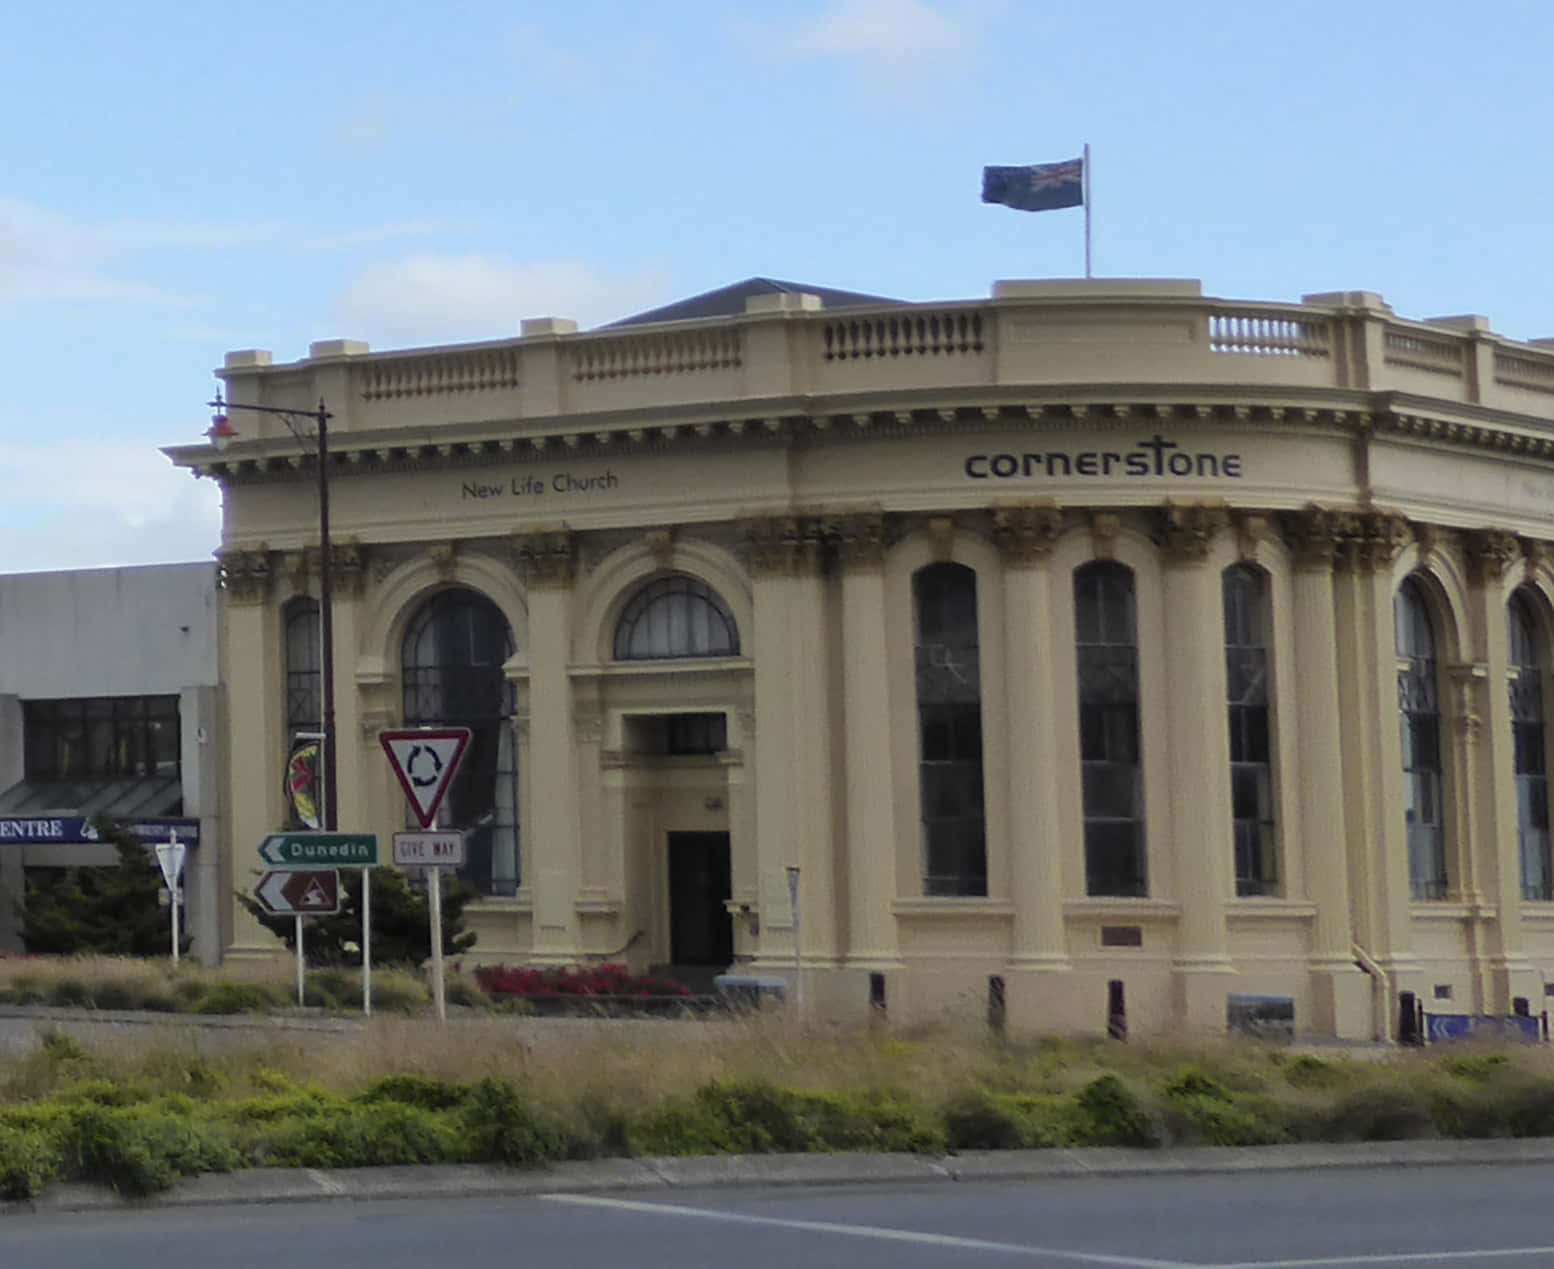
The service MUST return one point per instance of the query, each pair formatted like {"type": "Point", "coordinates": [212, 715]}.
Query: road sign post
{"type": "Point", "coordinates": [170, 856]}
{"type": "Point", "coordinates": [425, 760]}
{"type": "Point", "coordinates": [299, 891]}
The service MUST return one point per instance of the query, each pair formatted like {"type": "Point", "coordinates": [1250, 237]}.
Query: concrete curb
{"type": "Point", "coordinates": [461, 1181]}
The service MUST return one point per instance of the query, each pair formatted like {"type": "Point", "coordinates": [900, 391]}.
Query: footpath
{"type": "Point", "coordinates": [456, 1181]}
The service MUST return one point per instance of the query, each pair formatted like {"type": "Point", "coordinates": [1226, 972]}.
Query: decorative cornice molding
{"type": "Point", "coordinates": [546, 557]}
{"type": "Point", "coordinates": [244, 574]}
{"type": "Point", "coordinates": [1025, 532]}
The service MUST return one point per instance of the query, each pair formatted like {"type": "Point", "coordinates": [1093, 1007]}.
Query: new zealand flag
{"type": "Point", "coordinates": [1042, 187]}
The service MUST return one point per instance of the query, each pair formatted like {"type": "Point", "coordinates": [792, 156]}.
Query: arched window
{"type": "Point", "coordinates": [304, 711]}
{"type": "Point", "coordinates": [1251, 755]}
{"type": "Point", "coordinates": [1106, 644]}
{"type": "Point", "coordinates": [1419, 704]}
{"type": "Point", "coordinates": [1530, 747]}
{"type": "Point", "coordinates": [949, 729]}
{"type": "Point", "coordinates": [676, 616]}
{"type": "Point", "coordinates": [452, 676]}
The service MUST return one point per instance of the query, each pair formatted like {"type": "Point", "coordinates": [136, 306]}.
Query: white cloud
{"type": "Point", "coordinates": [429, 298]}
{"type": "Point", "coordinates": [46, 256]}
{"type": "Point", "coordinates": [890, 36]}
{"type": "Point", "coordinates": [75, 503]}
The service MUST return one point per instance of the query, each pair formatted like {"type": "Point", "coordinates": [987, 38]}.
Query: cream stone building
{"type": "Point", "coordinates": [1093, 633]}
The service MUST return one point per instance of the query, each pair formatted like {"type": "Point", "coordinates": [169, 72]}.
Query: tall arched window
{"type": "Point", "coordinates": [451, 665]}
{"type": "Point", "coordinates": [304, 712]}
{"type": "Point", "coordinates": [1419, 704]}
{"type": "Point", "coordinates": [949, 729]}
{"type": "Point", "coordinates": [676, 616]}
{"type": "Point", "coordinates": [1531, 749]}
{"type": "Point", "coordinates": [1106, 644]}
{"type": "Point", "coordinates": [1251, 754]}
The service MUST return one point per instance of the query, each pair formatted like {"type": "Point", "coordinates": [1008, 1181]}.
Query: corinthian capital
{"type": "Point", "coordinates": [244, 574]}
{"type": "Point", "coordinates": [1026, 531]}
{"type": "Point", "coordinates": [1186, 530]}
{"type": "Point", "coordinates": [783, 544]}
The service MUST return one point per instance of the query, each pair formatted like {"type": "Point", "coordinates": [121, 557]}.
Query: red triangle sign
{"type": "Point", "coordinates": [425, 759]}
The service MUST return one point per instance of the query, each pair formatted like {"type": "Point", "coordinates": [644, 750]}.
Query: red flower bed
{"type": "Point", "coordinates": [603, 980]}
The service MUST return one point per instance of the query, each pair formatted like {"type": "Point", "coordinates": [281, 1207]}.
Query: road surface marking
{"type": "Point", "coordinates": [873, 1231]}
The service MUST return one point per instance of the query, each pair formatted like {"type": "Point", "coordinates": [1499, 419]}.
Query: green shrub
{"type": "Point", "coordinates": [29, 1160]}
{"type": "Point", "coordinates": [462, 990]}
{"type": "Point", "coordinates": [332, 988]}
{"type": "Point", "coordinates": [140, 1150]}
{"type": "Point", "coordinates": [397, 991]}
{"type": "Point", "coordinates": [1112, 1115]}
{"type": "Point", "coordinates": [115, 995]}
{"type": "Point", "coordinates": [346, 1135]}
{"type": "Point", "coordinates": [227, 998]}
{"type": "Point", "coordinates": [500, 1126]}
{"type": "Point", "coordinates": [977, 1120]}
{"type": "Point", "coordinates": [70, 993]}
{"type": "Point", "coordinates": [413, 1090]}
{"type": "Point", "coordinates": [1305, 1071]}
{"type": "Point", "coordinates": [1378, 1111]}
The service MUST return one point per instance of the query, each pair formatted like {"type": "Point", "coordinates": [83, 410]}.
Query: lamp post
{"type": "Point", "coordinates": [221, 433]}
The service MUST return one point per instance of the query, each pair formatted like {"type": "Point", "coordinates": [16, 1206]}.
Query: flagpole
{"type": "Point", "coordinates": [1086, 192]}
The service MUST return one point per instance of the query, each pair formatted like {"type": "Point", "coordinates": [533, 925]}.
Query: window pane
{"type": "Point", "coordinates": [1107, 663]}
{"type": "Point", "coordinates": [676, 616]}
{"type": "Point", "coordinates": [949, 710]}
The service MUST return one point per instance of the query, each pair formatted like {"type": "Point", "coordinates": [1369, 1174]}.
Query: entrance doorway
{"type": "Point", "coordinates": [701, 932]}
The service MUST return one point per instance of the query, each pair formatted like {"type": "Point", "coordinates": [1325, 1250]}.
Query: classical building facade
{"type": "Point", "coordinates": [1093, 633]}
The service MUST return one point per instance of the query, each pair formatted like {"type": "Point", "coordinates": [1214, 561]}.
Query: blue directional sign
{"type": "Point", "coordinates": [320, 850]}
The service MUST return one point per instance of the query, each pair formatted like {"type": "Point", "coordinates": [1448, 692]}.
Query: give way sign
{"type": "Point", "coordinates": [425, 759]}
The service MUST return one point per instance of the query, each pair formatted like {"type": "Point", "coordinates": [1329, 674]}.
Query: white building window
{"type": "Point", "coordinates": [1251, 751]}
{"type": "Point", "coordinates": [1419, 708]}
{"type": "Point", "coordinates": [676, 616]}
{"type": "Point", "coordinates": [1530, 747]}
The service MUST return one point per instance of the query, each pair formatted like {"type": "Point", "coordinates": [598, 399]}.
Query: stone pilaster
{"type": "Point", "coordinates": [1198, 756]}
{"type": "Point", "coordinates": [1341, 994]}
{"type": "Point", "coordinates": [870, 847]}
{"type": "Point", "coordinates": [256, 743]}
{"type": "Point", "coordinates": [1039, 987]}
{"type": "Point", "coordinates": [1491, 780]}
{"type": "Point", "coordinates": [1368, 545]}
{"type": "Point", "coordinates": [794, 769]}
{"type": "Point", "coordinates": [553, 848]}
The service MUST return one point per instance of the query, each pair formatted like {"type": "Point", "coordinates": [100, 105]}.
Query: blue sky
{"type": "Point", "coordinates": [181, 178]}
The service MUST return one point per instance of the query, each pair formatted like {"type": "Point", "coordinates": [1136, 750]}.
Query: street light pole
{"type": "Point", "coordinates": [221, 433]}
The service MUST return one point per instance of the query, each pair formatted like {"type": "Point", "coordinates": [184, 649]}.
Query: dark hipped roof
{"type": "Point", "coordinates": [729, 301]}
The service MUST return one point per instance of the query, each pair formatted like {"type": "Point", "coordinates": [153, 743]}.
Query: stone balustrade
{"type": "Point", "coordinates": [1041, 335]}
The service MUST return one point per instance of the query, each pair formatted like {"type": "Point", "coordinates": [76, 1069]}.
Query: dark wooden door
{"type": "Point", "coordinates": [701, 932]}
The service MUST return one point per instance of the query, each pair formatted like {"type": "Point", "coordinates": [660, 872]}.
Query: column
{"type": "Point", "coordinates": [1039, 994]}
{"type": "Point", "coordinates": [13, 876]}
{"type": "Point", "coordinates": [553, 851]}
{"type": "Point", "coordinates": [1340, 992]}
{"type": "Point", "coordinates": [1199, 758]}
{"type": "Point", "coordinates": [1369, 543]}
{"type": "Point", "coordinates": [255, 739]}
{"type": "Point", "coordinates": [793, 796]}
{"type": "Point", "coordinates": [869, 778]}
{"type": "Point", "coordinates": [1491, 783]}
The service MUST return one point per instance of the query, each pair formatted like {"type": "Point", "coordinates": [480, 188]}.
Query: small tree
{"type": "Point", "coordinates": [401, 921]}
{"type": "Point", "coordinates": [113, 911]}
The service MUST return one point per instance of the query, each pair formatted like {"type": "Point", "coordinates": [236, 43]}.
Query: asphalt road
{"type": "Point", "coordinates": [1478, 1215]}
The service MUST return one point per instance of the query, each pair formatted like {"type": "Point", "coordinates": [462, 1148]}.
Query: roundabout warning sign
{"type": "Point", "coordinates": [425, 761]}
